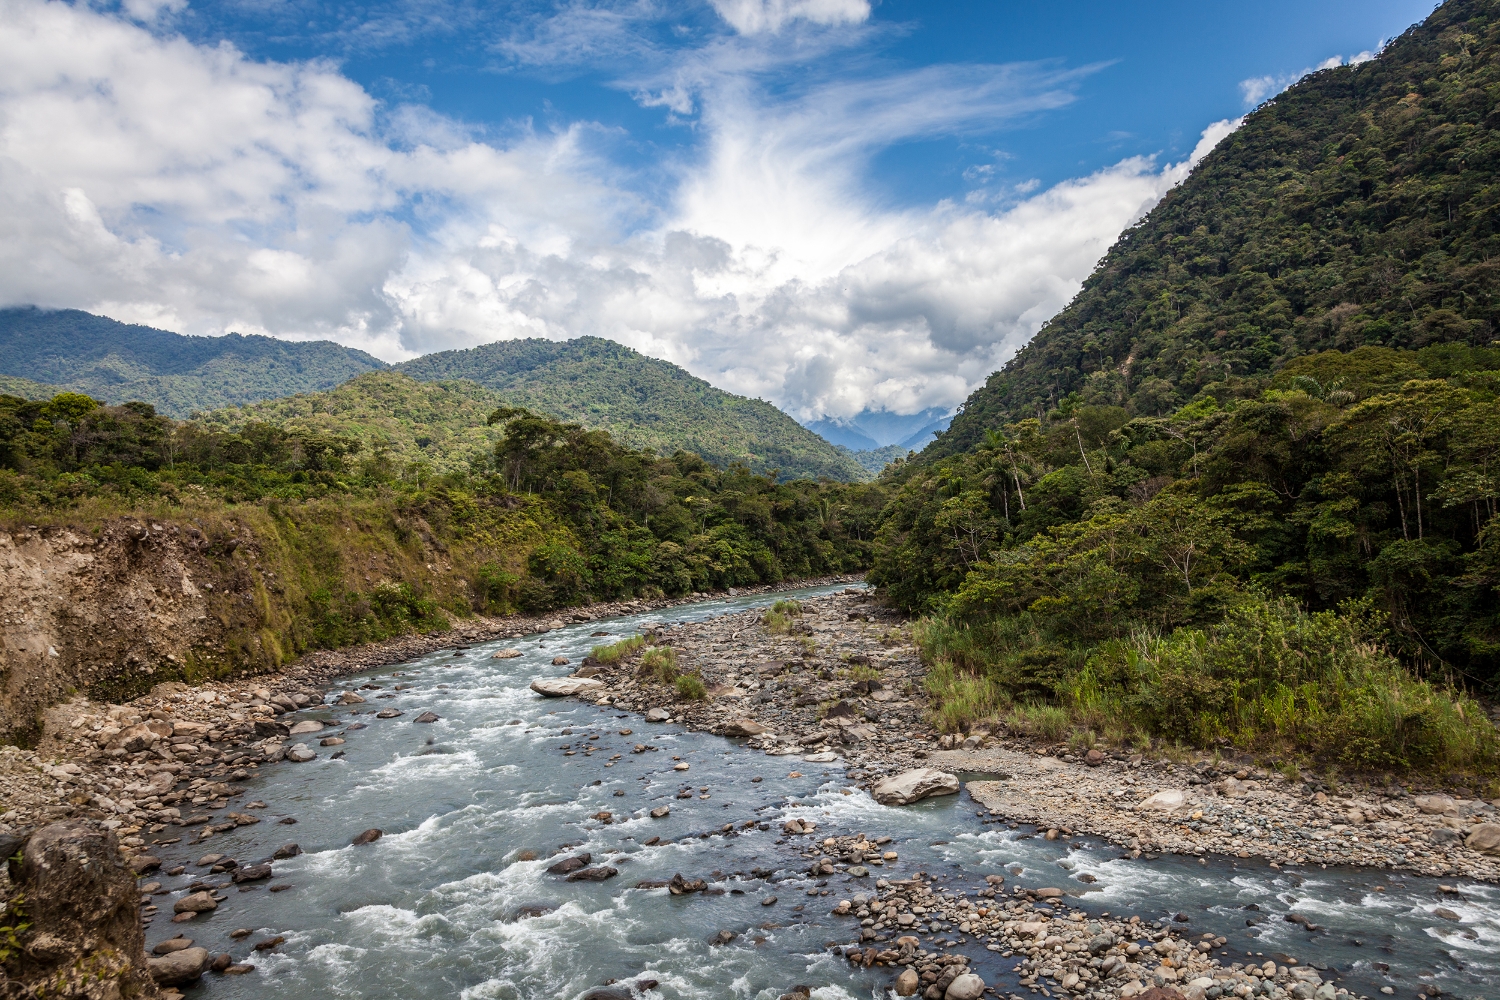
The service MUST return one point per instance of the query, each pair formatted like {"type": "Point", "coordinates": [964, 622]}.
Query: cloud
{"type": "Point", "coordinates": [189, 187]}
{"type": "Point", "coordinates": [1257, 89]}
{"type": "Point", "coordinates": [754, 17]}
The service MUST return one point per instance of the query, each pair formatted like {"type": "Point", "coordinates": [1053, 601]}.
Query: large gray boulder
{"type": "Point", "coordinates": [1484, 838]}
{"type": "Point", "coordinates": [911, 786]}
{"type": "Point", "coordinates": [561, 687]}
{"type": "Point", "coordinates": [179, 967]}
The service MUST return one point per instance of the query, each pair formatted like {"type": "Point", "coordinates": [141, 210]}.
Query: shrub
{"type": "Point", "coordinates": [690, 687]}
{"type": "Point", "coordinates": [615, 652]}
{"type": "Point", "coordinates": [660, 662]}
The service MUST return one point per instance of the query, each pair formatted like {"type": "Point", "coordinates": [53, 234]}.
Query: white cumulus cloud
{"type": "Point", "coordinates": [192, 188]}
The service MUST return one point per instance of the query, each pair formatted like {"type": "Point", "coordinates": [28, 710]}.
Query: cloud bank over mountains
{"type": "Point", "coordinates": [189, 187]}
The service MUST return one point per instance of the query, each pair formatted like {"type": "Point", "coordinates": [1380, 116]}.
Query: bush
{"type": "Point", "coordinates": [660, 662]}
{"type": "Point", "coordinates": [615, 652]}
{"type": "Point", "coordinates": [690, 687]}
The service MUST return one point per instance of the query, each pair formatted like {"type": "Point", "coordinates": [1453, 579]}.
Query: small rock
{"type": "Point", "coordinates": [768, 901]}
{"type": "Point", "coordinates": [1445, 913]}
{"type": "Point", "coordinates": [723, 937]}
{"type": "Point", "coordinates": [1094, 758]}
{"type": "Point", "coordinates": [661, 811]}
{"type": "Point", "coordinates": [368, 837]}
{"type": "Point", "coordinates": [240, 932]}
{"type": "Point", "coordinates": [221, 962]}
{"type": "Point", "coordinates": [388, 713]}
{"type": "Point", "coordinates": [306, 726]}
{"type": "Point", "coordinates": [657, 715]}
{"type": "Point", "coordinates": [680, 886]}
{"type": "Point", "coordinates": [286, 851]}
{"type": "Point", "coordinates": [427, 717]}
{"type": "Point", "coordinates": [331, 741]}
{"type": "Point", "coordinates": [559, 661]}
{"type": "Point", "coordinates": [270, 943]}
{"type": "Point", "coordinates": [506, 654]}
{"type": "Point", "coordinates": [680, 766]}
{"type": "Point", "coordinates": [300, 755]}
{"type": "Point", "coordinates": [743, 727]}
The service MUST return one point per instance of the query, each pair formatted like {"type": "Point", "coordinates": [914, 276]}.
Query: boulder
{"type": "Point", "coordinates": [911, 786]}
{"type": "Point", "coordinates": [265, 728]}
{"type": "Point", "coordinates": [350, 698]}
{"type": "Point", "coordinates": [388, 713]}
{"type": "Point", "coordinates": [827, 757]}
{"type": "Point", "coordinates": [178, 943]}
{"type": "Point", "coordinates": [680, 886]}
{"type": "Point", "coordinates": [198, 902]}
{"type": "Point", "coordinates": [1433, 805]}
{"type": "Point", "coordinates": [965, 987]}
{"type": "Point", "coordinates": [1094, 758]}
{"type": "Point", "coordinates": [142, 863]}
{"type": "Point", "coordinates": [907, 983]}
{"type": "Point", "coordinates": [306, 726]}
{"type": "Point", "coordinates": [1165, 800]}
{"type": "Point", "coordinates": [743, 727]}
{"type": "Point", "coordinates": [506, 654]}
{"type": "Point", "coordinates": [367, 837]}
{"type": "Point", "coordinates": [1484, 838]}
{"type": "Point", "coordinates": [286, 851]}
{"type": "Point", "coordinates": [561, 687]}
{"type": "Point", "coordinates": [596, 874]}
{"type": "Point", "coordinates": [569, 865]}
{"type": "Point", "coordinates": [300, 754]}
{"type": "Point", "coordinates": [560, 661]}
{"type": "Point", "coordinates": [252, 873]}
{"type": "Point", "coordinates": [661, 811]}
{"type": "Point", "coordinates": [179, 967]}
{"type": "Point", "coordinates": [427, 717]}
{"type": "Point", "coordinates": [657, 715]}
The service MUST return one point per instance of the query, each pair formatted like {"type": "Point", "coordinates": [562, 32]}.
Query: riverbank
{"type": "Point", "coordinates": [842, 679]}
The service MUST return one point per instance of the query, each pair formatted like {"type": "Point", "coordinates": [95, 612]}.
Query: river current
{"type": "Point", "coordinates": [436, 907]}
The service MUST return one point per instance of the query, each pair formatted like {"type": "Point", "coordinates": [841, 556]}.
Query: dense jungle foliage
{"type": "Point", "coordinates": [642, 402]}
{"type": "Point", "coordinates": [1242, 490]}
{"type": "Point", "coordinates": [1254, 566]}
{"type": "Point", "coordinates": [1359, 207]}
{"type": "Point", "coordinates": [560, 515]}
{"type": "Point", "coordinates": [178, 375]}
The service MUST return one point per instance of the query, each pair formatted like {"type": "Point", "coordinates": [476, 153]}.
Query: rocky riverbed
{"type": "Point", "coordinates": [838, 684]}
{"type": "Point", "coordinates": [844, 679]}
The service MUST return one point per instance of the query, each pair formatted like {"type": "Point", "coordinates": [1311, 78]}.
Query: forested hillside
{"type": "Point", "coordinates": [118, 363]}
{"type": "Point", "coordinates": [354, 545]}
{"type": "Point", "coordinates": [1360, 207]}
{"type": "Point", "coordinates": [642, 402]}
{"type": "Point", "coordinates": [390, 414]}
{"type": "Point", "coordinates": [1242, 491]}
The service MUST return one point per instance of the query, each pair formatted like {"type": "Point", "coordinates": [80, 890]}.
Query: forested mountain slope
{"type": "Point", "coordinates": [118, 362]}
{"type": "Point", "coordinates": [1360, 207]}
{"type": "Point", "coordinates": [641, 401]}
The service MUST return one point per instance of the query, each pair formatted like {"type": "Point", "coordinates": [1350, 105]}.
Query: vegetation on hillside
{"type": "Point", "coordinates": [359, 545]}
{"type": "Point", "coordinates": [642, 402]}
{"type": "Point", "coordinates": [1242, 490]}
{"type": "Point", "coordinates": [1254, 567]}
{"type": "Point", "coordinates": [1360, 207]}
{"type": "Point", "coordinates": [117, 362]}
{"type": "Point", "coordinates": [389, 413]}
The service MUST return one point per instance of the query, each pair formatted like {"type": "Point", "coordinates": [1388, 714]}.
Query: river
{"type": "Point", "coordinates": [431, 910]}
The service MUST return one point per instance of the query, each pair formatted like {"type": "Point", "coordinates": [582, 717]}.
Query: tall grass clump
{"type": "Point", "coordinates": [778, 620]}
{"type": "Point", "coordinates": [617, 651]}
{"type": "Point", "coordinates": [659, 663]}
{"type": "Point", "coordinates": [690, 687]}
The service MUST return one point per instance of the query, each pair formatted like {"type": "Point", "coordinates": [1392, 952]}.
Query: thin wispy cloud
{"type": "Point", "coordinates": [1256, 90]}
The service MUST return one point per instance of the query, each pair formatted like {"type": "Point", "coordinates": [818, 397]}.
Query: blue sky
{"type": "Point", "coordinates": [838, 205]}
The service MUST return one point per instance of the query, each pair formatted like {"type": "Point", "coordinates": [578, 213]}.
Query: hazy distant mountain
{"type": "Point", "coordinates": [116, 362]}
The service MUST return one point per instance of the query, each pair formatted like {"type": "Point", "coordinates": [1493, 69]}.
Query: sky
{"type": "Point", "coordinates": [842, 206]}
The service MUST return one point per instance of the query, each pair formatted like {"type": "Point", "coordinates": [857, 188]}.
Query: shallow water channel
{"type": "Point", "coordinates": [430, 910]}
